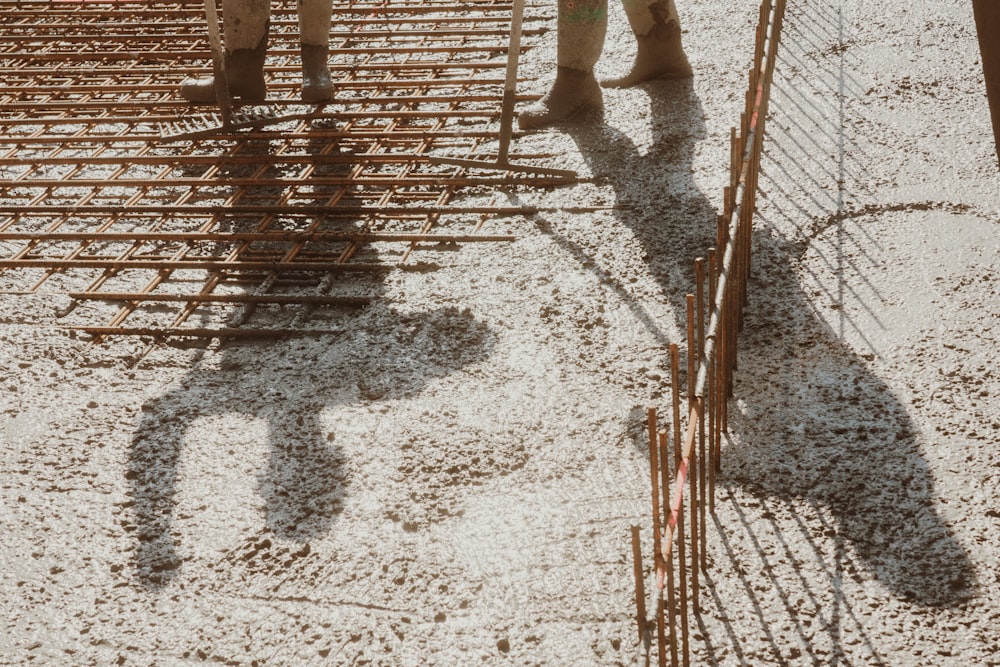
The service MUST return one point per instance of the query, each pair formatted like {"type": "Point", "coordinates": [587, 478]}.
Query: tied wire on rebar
{"type": "Point", "coordinates": [711, 358]}
{"type": "Point", "coordinates": [224, 232]}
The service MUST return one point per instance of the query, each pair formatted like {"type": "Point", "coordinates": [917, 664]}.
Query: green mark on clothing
{"type": "Point", "coordinates": [582, 12]}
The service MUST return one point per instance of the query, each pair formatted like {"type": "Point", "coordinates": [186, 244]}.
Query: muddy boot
{"type": "Point", "coordinates": [244, 31]}
{"type": "Point", "coordinates": [658, 34]}
{"type": "Point", "coordinates": [314, 34]}
{"type": "Point", "coordinates": [582, 25]}
{"type": "Point", "coordinates": [316, 84]}
{"type": "Point", "coordinates": [244, 74]}
{"type": "Point", "coordinates": [573, 91]}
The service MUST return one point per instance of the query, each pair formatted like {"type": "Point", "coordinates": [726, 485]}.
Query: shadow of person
{"type": "Point", "coordinates": [814, 422]}
{"type": "Point", "coordinates": [283, 389]}
{"type": "Point", "coordinates": [271, 397]}
{"type": "Point", "coordinates": [824, 428]}
{"type": "Point", "coordinates": [656, 195]}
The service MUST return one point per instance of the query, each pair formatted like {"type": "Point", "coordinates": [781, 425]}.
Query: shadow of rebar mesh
{"type": "Point", "coordinates": [240, 233]}
{"type": "Point", "coordinates": [714, 320]}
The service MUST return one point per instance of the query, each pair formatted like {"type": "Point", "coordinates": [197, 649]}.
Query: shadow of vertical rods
{"type": "Point", "coordinates": [711, 363]}
{"type": "Point", "coordinates": [661, 631]}
{"type": "Point", "coordinates": [654, 472]}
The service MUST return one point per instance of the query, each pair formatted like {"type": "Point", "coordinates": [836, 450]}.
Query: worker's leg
{"type": "Point", "coordinates": [658, 33]}
{"type": "Point", "coordinates": [245, 25]}
{"type": "Point", "coordinates": [987, 13]}
{"type": "Point", "coordinates": [582, 25]}
{"type": "Point", "coordinates": [314, 29]}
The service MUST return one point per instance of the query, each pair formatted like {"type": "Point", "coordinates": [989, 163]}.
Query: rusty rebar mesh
{"type": "Point", "coordinates": [241, 232]}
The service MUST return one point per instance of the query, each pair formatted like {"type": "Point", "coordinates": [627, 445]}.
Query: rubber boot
{"type": "Point", "coordinates": [316, 84]}
{"type": "Point", "coordinates": [244, 28]}
{"type": "Point", "coordinates": [572, 92]}
{"type": "Point", "coordinates": [582, 27]}
{"type": "Point", "coordinates": [314, 34]}
{"type": "Point", "coordinates": [660, 55]}
{"type": "Point", "coordinates": [244, 74]}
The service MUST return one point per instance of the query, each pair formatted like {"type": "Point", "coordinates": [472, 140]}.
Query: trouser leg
{"type": "Point", "coordinates": [244, 24]}
{"type": "Point", "coordinates": [657, 31]}
{"type": "Point", "coordinates": [314, 29]}
{"type": "Point", "coordinates": [987, 13]}
{"type": "Point", "coordinates": [582, 25]}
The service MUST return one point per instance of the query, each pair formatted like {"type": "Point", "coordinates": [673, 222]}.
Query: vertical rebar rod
{"type": "Point", "coordinates": [640, 587]}
{"type": "Point", "coordinates": [729, 195]}
{"type": "Point", "coordinates": [510, 82]}
{"type": "Point", "coordinates": [665, 557]}
{"type": "Point", "coordinates": [669, 561]}
{"type": "Point", "coordinates": [222, 97]}
{"type": "Point", "coordinates": [711, 403]}
{"type": "Point", "coordinates": [661, 630]}
{"type": "Point", "coordinates": [665, 480]}
{"type": "Point", "coordinates": [681, 548]}
{"type": "Point", "coordinates": [692, 354]}
{"type": "Point", "coordinates": [721, 324]}
{"type": "Point", "coordinates": [699, 270]}
{"type": "Point", "coordinates": [654, 475]}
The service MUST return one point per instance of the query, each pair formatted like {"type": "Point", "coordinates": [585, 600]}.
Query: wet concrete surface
{"type": "Point", "coordinates": [450, 480]}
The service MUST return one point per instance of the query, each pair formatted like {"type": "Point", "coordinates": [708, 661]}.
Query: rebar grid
{"type": "Point", "coordinates": [197, 238]}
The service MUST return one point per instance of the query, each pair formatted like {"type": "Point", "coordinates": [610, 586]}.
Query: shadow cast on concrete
{"type": "Point", "coordinates": [821, 425]}
{"type": "Point", "coordinates": [384, 355]}
{"type": "Point", "coordinates": [814, 422]}
{"type": "Point", "coordinates": [379, 354]}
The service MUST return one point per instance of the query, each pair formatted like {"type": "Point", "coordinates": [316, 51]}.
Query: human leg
{"type": "Point", "coordinates": [657, 31]}
{"type": "Point", "coordinates": [314, 30]}
{"type": "Point", "coordinates": [582, 25]}
{"type": "Point", "coordinates": [244, 25]}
